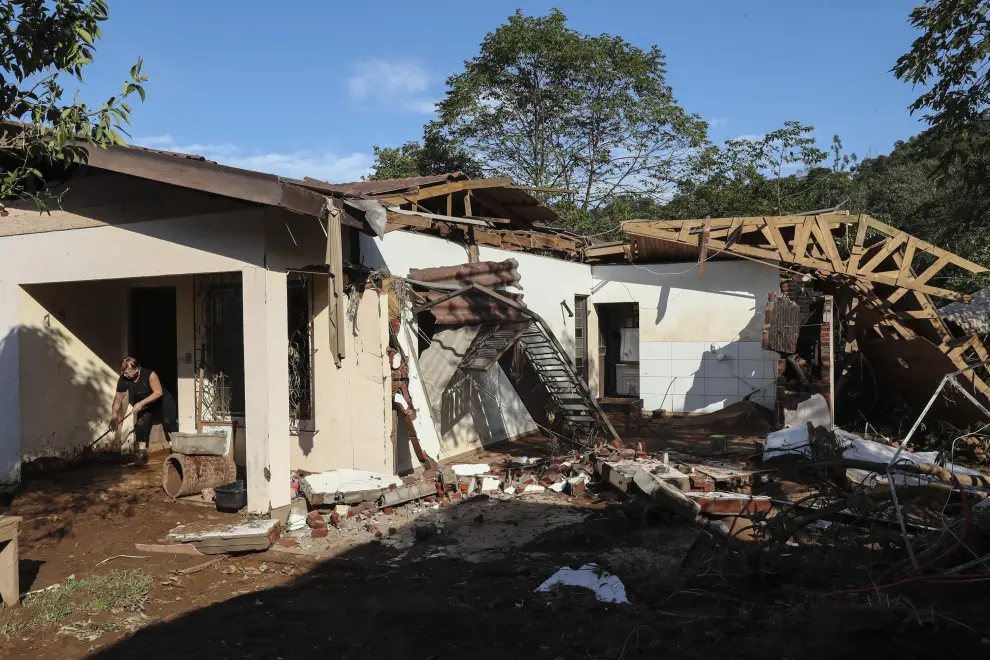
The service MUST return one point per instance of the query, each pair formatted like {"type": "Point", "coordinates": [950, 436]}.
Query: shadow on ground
{"type": "Point", "coordinates": [427, 601]}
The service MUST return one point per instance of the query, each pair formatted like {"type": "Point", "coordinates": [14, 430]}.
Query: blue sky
{"type": "Point", "coordinates": [306, 87]}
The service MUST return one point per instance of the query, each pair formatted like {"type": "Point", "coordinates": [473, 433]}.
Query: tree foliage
{"type": "Point", "coordinates": [548, 106]}
{"type": "Point", "coordinates": [44, 44]}
{"type": "Point", "coordinates": [436, 155]}
{"type": "Point", "coordinates": [951, 58]}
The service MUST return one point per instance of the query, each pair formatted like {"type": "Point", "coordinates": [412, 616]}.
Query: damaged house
{"type": "Point", "coordinates": [380, 325]}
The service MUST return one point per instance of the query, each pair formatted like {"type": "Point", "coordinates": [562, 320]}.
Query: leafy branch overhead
{"type": "Point", "coordinates": [951, 58]}
{"type": "Point", "coordinates": [44, 44]}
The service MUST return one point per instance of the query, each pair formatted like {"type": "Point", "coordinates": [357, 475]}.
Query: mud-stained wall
{"type": "Point", "coordinates": [352, 425]}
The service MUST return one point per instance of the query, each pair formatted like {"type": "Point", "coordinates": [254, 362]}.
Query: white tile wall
{"type": "Point", "coordinates": [697, 377]}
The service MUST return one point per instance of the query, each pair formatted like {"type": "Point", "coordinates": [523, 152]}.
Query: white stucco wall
{"type": "Point", "coordinates": [353, 420]}
{"type": "Point", "coordinates": [700, 337]}
{"type": "Point", "coordinates": [545, 283]}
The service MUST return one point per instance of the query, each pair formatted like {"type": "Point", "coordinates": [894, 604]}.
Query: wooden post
{"type": "Point", "coordinates": [10, 592]}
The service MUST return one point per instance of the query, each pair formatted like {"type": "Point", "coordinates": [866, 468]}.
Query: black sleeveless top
{"type": "Point", "coordinates": [164, 408]}
{"type": "Point", "coordinates": [137, 390]}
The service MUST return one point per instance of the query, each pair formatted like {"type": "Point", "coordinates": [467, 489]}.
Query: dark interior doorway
{"type": "Point", "coordinates": [618, 348]}
{"type": "Point", "coordinates": [152, 333]}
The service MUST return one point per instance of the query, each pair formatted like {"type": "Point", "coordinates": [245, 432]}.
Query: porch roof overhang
{"type": "Point", "coordinates": [197, 173]}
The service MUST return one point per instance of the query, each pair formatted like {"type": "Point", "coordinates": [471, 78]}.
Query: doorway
{"type": "Point", "coordinates": [153, 339]}
{"type": "Point", "coordinates": [618, 349]}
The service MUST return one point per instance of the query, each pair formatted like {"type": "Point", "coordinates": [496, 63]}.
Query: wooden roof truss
{"type": "Point", "coordinates": [890, 272]}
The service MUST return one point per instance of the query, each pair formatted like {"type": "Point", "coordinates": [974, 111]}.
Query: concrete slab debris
{"type": "Point", "coordinates": [608, 588]}
{"type": "Point", "coordinates": [211, 539]}
{"type": "Point", "coordinates": [815, 409]}
{"type": "Point", "coordinates": [471, 469]}
{"type": "Point", "coordinates": [346, 486]}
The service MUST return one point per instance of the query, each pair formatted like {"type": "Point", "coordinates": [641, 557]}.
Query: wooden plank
{"type": "Point", "coordinates": [172, 549]}
{"type": "Point", "coordinates": [10, 592]}
{"type": "Point", "coordinates": [905, 272]}
{"type": "Point", "coordinates": [802, 232]}
{"type": "Point", "coordinates": [827, 241]}
{"type": "Point", "coordinates": [930, 290]}
{"type": "Point", "coordinates": [928, 247]}
{"type": "Point", "coordinates": [606, 250]}
{"type": "Point", "coordinates": [430, 192]}
{"type": "Point", "coordinates": [685, 232]}
{"type": "Point", "coordinates": [852, 265]}
{"type": "Point", "coordinates": [888, 249]}
{"type": "Point", "coordinates": [336, 301]}
{"type": "Point", "coordinates": [450, 203]}
{"type": "Point", "coordinates": [777, 240]}
{"type": "Point", "coordinates": [932, 270]}
{"type": "Point", "coordinates": [467, 204]}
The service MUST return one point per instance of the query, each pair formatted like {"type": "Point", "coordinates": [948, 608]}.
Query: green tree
{"type": "Point", "coordinates": [436, 155]}
{"type": "Point", "coordinates": [44, 44]}
{"type": "Point", "coordinates": [548, 106]}
{"type": "Point", "coordinates": [951, 59]}
{"type": "Point", "coordinates": [747, 177]}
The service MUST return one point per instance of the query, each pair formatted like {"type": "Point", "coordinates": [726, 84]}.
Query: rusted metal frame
{"type": "Point", "coordinates": [603, 418]}
{"type": "Point", "coordinates": [512, 341]}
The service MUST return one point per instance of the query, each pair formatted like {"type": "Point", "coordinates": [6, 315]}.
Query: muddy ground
{"type": "Point", "coordinates": [466, 589]}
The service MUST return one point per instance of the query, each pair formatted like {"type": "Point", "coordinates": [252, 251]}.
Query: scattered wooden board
{"type": "Point", "coordinates": [242, 536]}
{"type": "Point", "coordinates": [168, 549]}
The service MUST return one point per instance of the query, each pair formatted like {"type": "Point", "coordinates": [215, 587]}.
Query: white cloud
{"type": "Point", "coordinates": [715, 122]}
{"type": "Point", "coordinates": [749, 137]}
{"type": "Point", "coordinates": [399, 84]}
{"type": "Point", "coordinates": [323, 165]}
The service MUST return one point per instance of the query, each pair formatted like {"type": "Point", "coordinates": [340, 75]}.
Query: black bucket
{"type": "Point", "coordinates": [231, 497]}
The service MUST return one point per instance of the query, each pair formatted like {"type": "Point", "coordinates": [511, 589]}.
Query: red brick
{"type": "Point", "coordinates": [288, 543]}
{"type": "Point", "coordinates": [701, 484]}
{"type": "Point", "coordinates": [574, 490]}
{"type": "Point", "coordinates": [335, 519]}
{"type": "Point", "coordinates": [456, 496]}
{"type": "Point", "coordinates": [431, 499]}
{"type": "Point", "coordinates": [320, 532]}
{"type": "Point", "coordinates": [732, 506]}
{"type": "Point", "coordinates": [388, 511]}
{"type": "Point", "coordinates": [374, 530]}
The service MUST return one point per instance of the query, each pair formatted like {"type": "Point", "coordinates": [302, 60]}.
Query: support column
{"type": "Point", "coordinates": [266, 388]}
{"type": "Point", "coordinates": [10, 388]}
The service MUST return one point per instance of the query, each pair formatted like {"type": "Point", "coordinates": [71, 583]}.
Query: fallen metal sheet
{"type": "Point", "coordinates": [374, 213]}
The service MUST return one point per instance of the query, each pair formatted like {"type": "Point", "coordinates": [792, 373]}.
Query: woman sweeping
{"type": "Point", "coordinates": [150, 402]}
